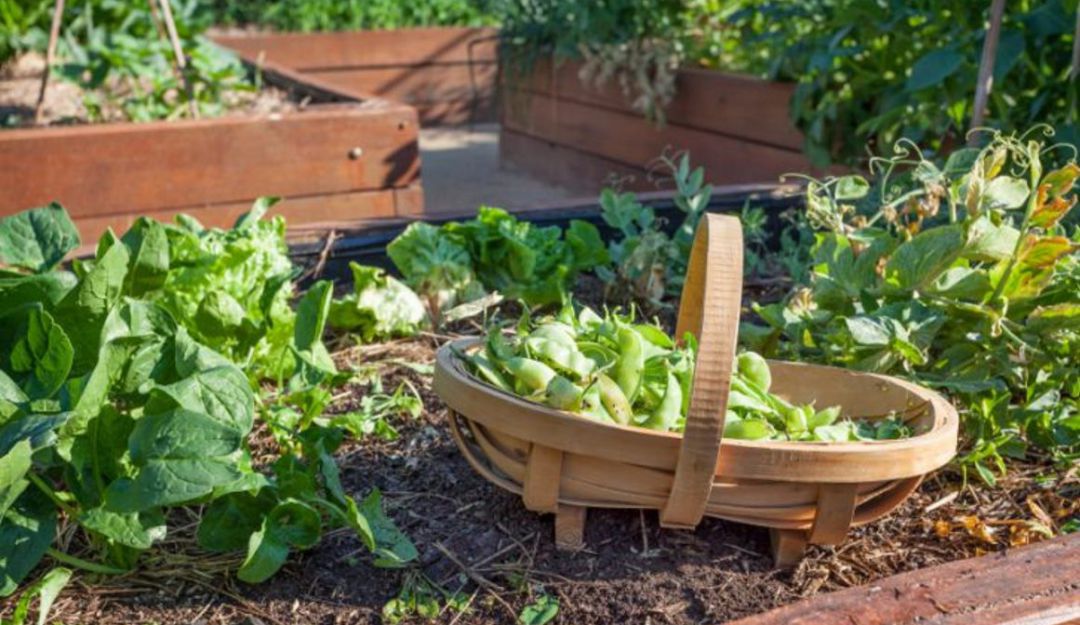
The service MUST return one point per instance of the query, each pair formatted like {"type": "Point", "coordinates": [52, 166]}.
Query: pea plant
{"type": "Point", "coordinates": [647, 263]}
{"type": "Point", "coordinates": [116, 412]}
{"type": "Point", "coordinates": [957, 274]}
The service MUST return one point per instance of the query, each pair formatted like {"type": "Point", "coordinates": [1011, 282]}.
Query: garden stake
{"type": "Point", "coordinates": [178, 52]}
{"type": "Point", "coordinates": [986, 64]}
{"type": "Point", "coordinates": [50, 54]}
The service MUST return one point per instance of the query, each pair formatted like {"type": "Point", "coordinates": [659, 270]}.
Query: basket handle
{"type": "Point", "coordinates": [709, 309]}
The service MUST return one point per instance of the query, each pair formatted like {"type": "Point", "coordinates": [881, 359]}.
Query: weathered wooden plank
{"type": "Point", "coordinates": [113, 169]}
{"type": "Point", "coordinates": [349, 207]}
{"type": "Point", "coordinates": [369, 48]}
{"type": "Point", "coordinates": [629, 139]}
{"type": "Point", "coordinates": [441, 94]}
{"type": "Point", "coordinates": [731, 104]}
{"type": "Point", "coordinates": [1038, 584]}
{"type": "Point", "coordinates": [415, 84]}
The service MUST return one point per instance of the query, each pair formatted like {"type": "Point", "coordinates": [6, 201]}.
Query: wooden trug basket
{"type": "Point", "coordinates": [805, 492]}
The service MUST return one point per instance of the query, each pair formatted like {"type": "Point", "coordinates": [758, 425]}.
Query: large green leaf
{"type": "Point", "coordinates": [26, 532]}
{"type": "Point", "coordinates": [42, 354]}
{"type": "Point", "coordinates": [228, 523]}
{"type": "Point", "coordinates": [13, 469]}
{"type": "Point", "coordinates": [962, 283]}
{"type": "Point", "coordinates": [83, 311]}
{"type": "Point", "coordinates": [179, 455]}
{"type": "Point", "coordinates": [1005, 192]}
{"type": "Point", "coordinates": [311, 314]}
{"type": "Point", "coordinates": [37, 239]}
{"type": "Point", "coordinates": [18, 290]}
{"type": "Point", "coordinates": [933, 68]}
{"type": "Point", "coordinates": [392, 548]}
{"type": "Point", "coordinates": [990, 242]}
{"type": "Point", "coordinates": [222, 394]}
{"type": "Point", "coordinates": [291, 524]}
{"type": "Point", "coordinates": [922, 259]}
{"type": "Point", "coordinates": [1057, 317]}
{"type": "Point", "coordinates": [138, 530]}
{"type": "Point", "coordinates": [148, 246]}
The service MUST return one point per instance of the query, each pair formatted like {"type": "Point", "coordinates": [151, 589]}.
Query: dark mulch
{"type": "Point", "coordinates": [480, 541]}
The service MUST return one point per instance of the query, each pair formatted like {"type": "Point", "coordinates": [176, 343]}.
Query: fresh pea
{"type": "Point", "coordinates": [738, 399]}
{"type": "Point", "coordinates": [837, 432]}
{"type": "Point", "coordinates": [563, 394]}
{"type": "Point", "coordinates": [531, 374]}
{"type": "Point", "coordinates": [822, 418]}
{"type": "Point", "coordinates": [755, 370]}
{"type": "Point", "coordinates": [797, 420]}
{"type": "Point", "coordinates": [600, 354]}
{"type": "Point", "coordinates": [489, 372]}
{"type": "Point", "coordinates": [588, 318]}
{"type": "Point", "coordinates": [631, 362]}
{"type": "Point", "coordinates": [560, 356]}
{"type": "Point", "coordinates": [747, 429]}
{"type": "Point", "coordinates": [655, 336]}
{"type": "Point", "coordinates": [558, 332]}
{"type": "Point", "coordinates": [593, 407]}
{"type": "Point", "coordinates": [667, 413]}
{"type": "Point", "coordinates": [614, 401]}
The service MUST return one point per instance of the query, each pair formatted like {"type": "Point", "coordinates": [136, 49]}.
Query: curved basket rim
{"type": "Point", "coordinates": [943, 433]}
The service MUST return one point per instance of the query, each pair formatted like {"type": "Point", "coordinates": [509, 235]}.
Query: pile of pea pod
{"type": "Point", "coordinates": [614, 369]}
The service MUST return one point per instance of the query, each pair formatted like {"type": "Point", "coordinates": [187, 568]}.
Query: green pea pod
{"type": "Point", "coordinates": [592, 406]}
{"type": "Point", "coordinates": [795, 422]}
{"type": "Point", "coordinates": [563, 394]}
{"type": "Point", "coordinates": [747, 429]}
{"type": "Point", "coordinates": [488, 372]}
{"type": "Point", "coordinates": [666, 415]}
{"type": "Point", "coordinates": [613, 400]}
{"type": "Point", "coordinates": [631, 362]}
{"type": "Point", "coordinates": [748, 397]}
{"type": "Point", "coordinates": [822, 418]}
{"type": "Point", "coordinates": [600, 354]}
{"type": "Point", "coordinates": [557, 332]}
{"type": "Point", "coordinates": [738, 400]}
{"type": "Point", "coordinates": [655, 336]}
{"type": "Point", "coordinates": [837, 432]}
{"type": "Point", "coordinates": [588, 318]}
{"type": "Point", "coordinates": [531, 374]}
{"type": "Point", "coordinates": [498, 347]}
{"type": "Point", "coordinates": [564, 358]}
{"type": "Point", "coordinates": [753, 368]}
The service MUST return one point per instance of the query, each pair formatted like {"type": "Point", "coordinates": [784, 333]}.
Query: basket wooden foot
{"type": "Point", "coordinates": [570, 527]}
{"type": "Point", "coordinates": [788, 547]}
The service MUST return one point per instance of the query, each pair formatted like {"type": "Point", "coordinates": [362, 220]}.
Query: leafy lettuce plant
{"type": "Point", "coordinates": [112, 413]}
{"type": "Point", "coordinates": [380, 306]}
{"type": "Point", "coordinates": [230, 287]}
{"type": "Point", "coordinates": [958, 275]}
{"type": "Point", "coordinates": [536, 265]}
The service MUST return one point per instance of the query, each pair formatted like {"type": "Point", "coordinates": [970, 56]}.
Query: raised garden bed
{"type": "Point", "coordinates": [561, 130]}
{"type": "Point", "coordinates": [447, 74]}
{"type": "Point", "coordinates": [336, 158]}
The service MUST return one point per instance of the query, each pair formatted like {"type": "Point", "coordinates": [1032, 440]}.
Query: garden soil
{"type": "Point", "coordinates": [479, 542]}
